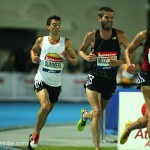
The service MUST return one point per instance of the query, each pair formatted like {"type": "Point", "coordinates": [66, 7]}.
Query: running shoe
{"type": "Point", "coordinates": [82, 122]}
{"type": "Point", "coordinates": [125, 134]}
{"type": "Point", "coordinates": [33, 141]}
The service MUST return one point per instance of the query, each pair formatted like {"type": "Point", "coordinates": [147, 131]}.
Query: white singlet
{"type": "Point", "coordinates": [51, 62]}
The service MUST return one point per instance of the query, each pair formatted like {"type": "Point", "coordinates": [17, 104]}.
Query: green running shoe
{"type": "Point", "coordinates": [82, 122]}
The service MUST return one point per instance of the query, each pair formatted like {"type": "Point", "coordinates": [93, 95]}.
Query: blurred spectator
{"type": "Point", "coordinates": [73, 69]}
{"type": "Point", "coordinates": [22, 61]}
{"type": "Point", "coordinates": [126, 79]}
{"type": "Point", "coordinates": [86, 66]}
{"type": "Point", "coordinates": [17, 60]}
{"type": "Point", "coordinates": [9, 65]}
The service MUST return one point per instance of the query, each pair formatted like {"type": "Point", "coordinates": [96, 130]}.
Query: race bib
{"type": "Point", "coordinates": [102, 59]}
{"type": "Point", "coordinates": [51, 66]}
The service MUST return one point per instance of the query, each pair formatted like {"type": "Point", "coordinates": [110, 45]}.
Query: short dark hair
{"type": "Point", "coordinates": [102, 9]}
{"type": "Point", "coordinates": [51, 18]}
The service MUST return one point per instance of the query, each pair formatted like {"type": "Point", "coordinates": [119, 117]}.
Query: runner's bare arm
{"type": "Point", "coordinates": [69, 53]}
{"type": "Point", "coordinates": [139, 40]}
{"type": "Point", "coordinates": [88, 40]}
{"type": "Point", "coordinates": [35, 51]}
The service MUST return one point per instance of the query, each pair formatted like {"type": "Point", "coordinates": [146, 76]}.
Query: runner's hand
{"type": "Point", "coordinates": [36, 59]}
{"type": "Point", "coordinates": [91, 57]}
{"type": "Point", "coordinates": [131, 68]}
{"type": "Point", "coordinates": [112, 61]}
{"type": "Point", "coordinates": [64, 54]}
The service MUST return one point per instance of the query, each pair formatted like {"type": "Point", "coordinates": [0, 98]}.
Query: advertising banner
{"type": "Point", "coordinates": [130, 109]}
{"type": "Point", "coordinates": [19, 86]}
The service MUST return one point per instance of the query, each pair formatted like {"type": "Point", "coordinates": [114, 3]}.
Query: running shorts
{"type": "Point", "coordinates": [144, 78]}
{"type": "Point", "coordinates": [53, 92]}
{"type": "Point", "coordinates": [102, 85]}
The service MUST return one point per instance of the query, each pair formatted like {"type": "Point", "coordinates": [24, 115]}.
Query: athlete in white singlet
{"type": "Point", "coordinates": [49, 52]}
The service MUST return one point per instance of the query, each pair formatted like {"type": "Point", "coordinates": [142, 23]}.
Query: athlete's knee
{"type": "Point", "coordinates": [45, 108]}
{"type": "Point", "coordinates": [96, 112]}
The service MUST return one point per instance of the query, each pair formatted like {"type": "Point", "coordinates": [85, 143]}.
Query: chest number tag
{"type": "Point", "coordinates": [102, 58]}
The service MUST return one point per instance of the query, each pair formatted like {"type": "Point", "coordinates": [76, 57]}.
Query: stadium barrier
{"type": "Point", "coordinates": [19, 87]}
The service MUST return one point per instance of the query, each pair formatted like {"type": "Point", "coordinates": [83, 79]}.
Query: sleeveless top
{"type": "Point", "coordinates": [146, 54]}
{"type": "Point", "coordinates": [52, 63]}
{"type": "Point", "coordinates": [103, 49]}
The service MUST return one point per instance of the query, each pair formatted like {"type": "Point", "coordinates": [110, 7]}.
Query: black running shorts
{"type": "Point", "coordinates": [144, 78]}
{"type": "Point", "coordinates": [102, 85]}
{"type": "Point", "coordinates": [53, 92]}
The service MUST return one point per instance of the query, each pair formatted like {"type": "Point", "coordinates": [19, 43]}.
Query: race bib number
{"type": "Point", "coordinates": [89, 80]}
{"type": "Point", "coordinates": [38, 84]}
{"type": "Point", "coordinates": [102, 59]}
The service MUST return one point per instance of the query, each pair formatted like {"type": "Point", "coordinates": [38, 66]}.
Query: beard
{"type": "Point", "coordinates": [105, 26]}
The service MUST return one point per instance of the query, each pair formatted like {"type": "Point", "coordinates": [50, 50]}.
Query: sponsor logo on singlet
{"type": "Point", "coordinates": [102, 59]}
{"type": "Point", "coordinates": [52, 63]}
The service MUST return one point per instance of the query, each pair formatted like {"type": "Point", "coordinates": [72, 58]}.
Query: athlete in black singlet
{"type": "Point", "coordinates": [105, 45]}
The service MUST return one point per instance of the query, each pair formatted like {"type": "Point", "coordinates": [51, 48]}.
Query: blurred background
{"type": "Point", "coordinates": [21, 22]}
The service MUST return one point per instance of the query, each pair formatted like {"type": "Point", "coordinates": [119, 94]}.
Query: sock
{"type": "Point", "coordinates": [84, 119]}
